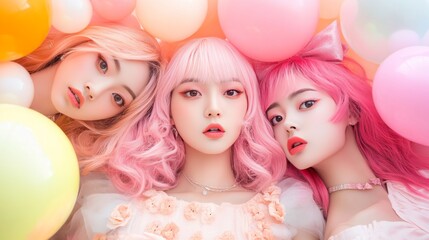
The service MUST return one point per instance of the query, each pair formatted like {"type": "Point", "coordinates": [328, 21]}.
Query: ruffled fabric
{"type": "Point", "coordinates": [302, 212]}
{"type": "Point", "coordinates": [382, 230]}
{"type": "Point", "coordinates": [97, 197]}
{"type": "Point", "coordinates": [411, 207]}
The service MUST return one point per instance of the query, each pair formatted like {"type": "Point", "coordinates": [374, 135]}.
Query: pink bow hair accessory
{"type": "Point", "coordinates": [325, 45]}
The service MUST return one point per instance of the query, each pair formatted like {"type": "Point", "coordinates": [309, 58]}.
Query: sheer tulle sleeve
{"type": "Point", "coordinates": [301, 211]}
{"type": "Point", "coordinates": [97, 198]}
{"type": "Point", "coordinates": [412, 207]}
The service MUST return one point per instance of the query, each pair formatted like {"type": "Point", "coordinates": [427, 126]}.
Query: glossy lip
{"type": "Point", "coordinates": [76, 97]}
{"type": "Point", "coordinates": [294, 150]}
{"type": "Point", "coordinates": [218, 133]}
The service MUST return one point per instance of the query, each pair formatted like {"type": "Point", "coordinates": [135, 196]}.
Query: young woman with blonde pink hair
{"type": "Point", "coordinates": [96, 84]}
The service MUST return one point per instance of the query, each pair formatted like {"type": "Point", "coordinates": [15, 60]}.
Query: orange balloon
{"type": "Point", "coordinates": [209, 28]}
{"type": "Point", "coordinates": [24, 24]}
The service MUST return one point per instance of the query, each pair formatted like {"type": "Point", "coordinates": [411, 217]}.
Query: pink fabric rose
{"type": "Point", "coordinates": [119, 217]}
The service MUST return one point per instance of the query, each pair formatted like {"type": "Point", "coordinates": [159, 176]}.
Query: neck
{"type": "Point", "coordinates": [43, 81]}
{"type": "Point", "coordinates": [208, 169]}
{"type": "Point", "coordinates": [346, 166]}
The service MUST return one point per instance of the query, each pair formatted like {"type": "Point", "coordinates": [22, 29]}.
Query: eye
{"type": "Point", "coordinates": [276, 119]}
{"type": "Point", "coordinates": [232, 92]}
{"type": "Point", "coordinates": [192, 93]}
{"type": "Point", "coordinates": [102, 64]}
{"type": "Point", "coordinates": [307, 104]}
{"type": "Point", "coordinates": [119, 100]}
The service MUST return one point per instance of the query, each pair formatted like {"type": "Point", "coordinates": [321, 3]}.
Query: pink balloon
{"type": "Point", "coordinates": [270, 30]}
{"type": "Point", "coordinates": [401, 91]}
{"type": "Point", "coordinates": [113, 10]}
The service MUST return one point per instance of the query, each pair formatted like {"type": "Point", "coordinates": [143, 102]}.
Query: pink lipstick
{"type": "Point", "coordinates": [214, 131]}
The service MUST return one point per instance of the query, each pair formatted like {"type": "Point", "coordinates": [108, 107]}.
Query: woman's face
{"type": "Point", "coordinates": [302, 123]}
{"type": "Point", "coordinates": [92, 86]}
{"type": "Point", "coordinates": [209, 116]}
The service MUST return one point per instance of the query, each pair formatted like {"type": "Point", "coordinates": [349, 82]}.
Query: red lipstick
{"type": "Point", "coordinates": [296, 145]}
{"type": "Point", "coordinates": [214, 131]}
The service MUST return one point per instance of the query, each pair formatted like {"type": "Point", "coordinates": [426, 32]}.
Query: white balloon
{"type": "Point", "coordinates": [16, 85]}
{"type": "Point", "coordinates": [70, 16]}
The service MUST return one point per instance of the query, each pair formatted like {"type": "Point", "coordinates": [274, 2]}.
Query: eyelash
{"type": "Point", "coordinates": [276, 117]}
{"type": "Point", "coordinates": [122, 101]}
{"type": "Point", "coordinates": [235, 93]}
{"type": "Point", "coordinates": [101, 60]}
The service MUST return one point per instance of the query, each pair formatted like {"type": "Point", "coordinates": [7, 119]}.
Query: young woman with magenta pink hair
{"type": "Point", "coordinates": [204, 164]}
{"type": "Point", "coordinates": [97, 84]}
{"type": "Point", "coordinates": [366, 177]}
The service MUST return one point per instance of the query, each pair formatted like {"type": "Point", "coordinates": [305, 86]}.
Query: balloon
{"type": "Point", "coordinates": [114, 10]}
{"type": "Point", "coordinates": [209, 28]}
{"type": "Point", "coordinates": [375, 29]}
{"type": "Point", "coordinates": [16, 85]}
{"type": "Point", "coordinates": [23, 27]}
{"type": "Point", "coordinates": [270, 30]}
{"type": "Point", "coordinates": [70, 16]}
{"type": "Point", "coordinates": [171, 20]}
{"type": "Point", "coordinates": [39, 175]}
{"type": "Point", "coordinates": [401, 91]}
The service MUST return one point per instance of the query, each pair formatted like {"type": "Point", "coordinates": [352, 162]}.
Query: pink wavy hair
{"type": "Point", "coordinates": [95, 141]}
{"type": "Point", "coordinates": [154, 157]}
{"type": "Point", "coordinates": [388, 154]}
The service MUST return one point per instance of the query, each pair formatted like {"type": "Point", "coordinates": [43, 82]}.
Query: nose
{"type": "Point", "coordinates": [213, 108]}
{"type": "Point", "coordinates": [290, 127]}
{"type": "Point", "coordinates": [92, 90]}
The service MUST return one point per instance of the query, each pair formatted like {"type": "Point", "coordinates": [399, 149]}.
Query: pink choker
{"type": "Point", "coordinates": [356, 186]}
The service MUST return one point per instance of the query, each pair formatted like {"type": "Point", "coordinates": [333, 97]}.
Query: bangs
{"type": "Point", "coordinates": [212, 61]}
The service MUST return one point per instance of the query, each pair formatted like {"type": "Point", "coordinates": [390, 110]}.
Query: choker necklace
{"type": "Point", "coordinates": [356, 186]}
{"type": "Point", "coordinates": [207, 189]}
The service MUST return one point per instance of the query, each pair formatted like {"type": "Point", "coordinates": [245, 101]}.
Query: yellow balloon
{"type": "Point", "coordinates": [24, 24]}
{"type": "Point", "coordinates": [39, 175]}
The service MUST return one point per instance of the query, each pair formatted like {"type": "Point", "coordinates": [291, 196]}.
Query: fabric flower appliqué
{"type": "Point", "coordinates": [275, 209]}
{"type": "Point", "coordinates": [197, 236]}
{"type": "Point", "coordinates": [191, 211]}
{"type": "Point", "coordinates": [154, 227]}
{"type": "Point", "coordinates": [119, 217]}
{"type": "Point", "coordinates": [167, 205]}
{"type": "Point", "coordinates": [208, 214]}
{"type": "Point", "coordinates": [226, 236]}
{"type": "Point", "coordinates": [271, 194]}
{"type": "Point", "coordinates": [170, 231]}
{"type": "Point", "coordinates": [258, 211]}
{"type": "Point", "coordinates": [99, 236]}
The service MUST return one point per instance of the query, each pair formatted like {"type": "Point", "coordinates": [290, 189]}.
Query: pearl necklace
{"type": "Point", "coordinates": [356, 186]}
{"type": "Point", "coordinates": [207, 189]}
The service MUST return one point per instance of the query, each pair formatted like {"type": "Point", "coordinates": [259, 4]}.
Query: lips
{"type": "Point", "coordinates": [76, 97]}
{"type": "Point", "coordinates": [296, 145]}
{"type": "Point", "coordinates": [214, 131]}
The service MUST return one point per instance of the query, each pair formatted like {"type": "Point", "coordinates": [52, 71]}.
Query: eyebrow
{"type": "Point", "coordinates": [133, 95]}
{"type": "Point", "coordinates": [294, 94]}
{"type": "Point", "coordinates": [186, 80]}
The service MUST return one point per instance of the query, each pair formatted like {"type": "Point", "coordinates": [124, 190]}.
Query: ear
{"type": "Point", "coordinates": [352, 120]}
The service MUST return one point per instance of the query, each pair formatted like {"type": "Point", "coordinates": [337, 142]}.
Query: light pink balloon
{"type": "Point", "coordinates": [269, 30]}
{"type": "Point", "coordinates": [401, 92]}
{"type": "Point", "coordinates": [403, 38]}
{"type": "Point", "coordinates": [171, 20]}
{"type": "Point", "coordinates": [113, 10]}
{"type": "Point", "coordinates": [16, 85]}
{"type": "Point", "coordinates": [70, 16]}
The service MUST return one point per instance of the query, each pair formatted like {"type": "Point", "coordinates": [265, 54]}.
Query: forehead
{"type": "Point", "coordinates": [285, 86]}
